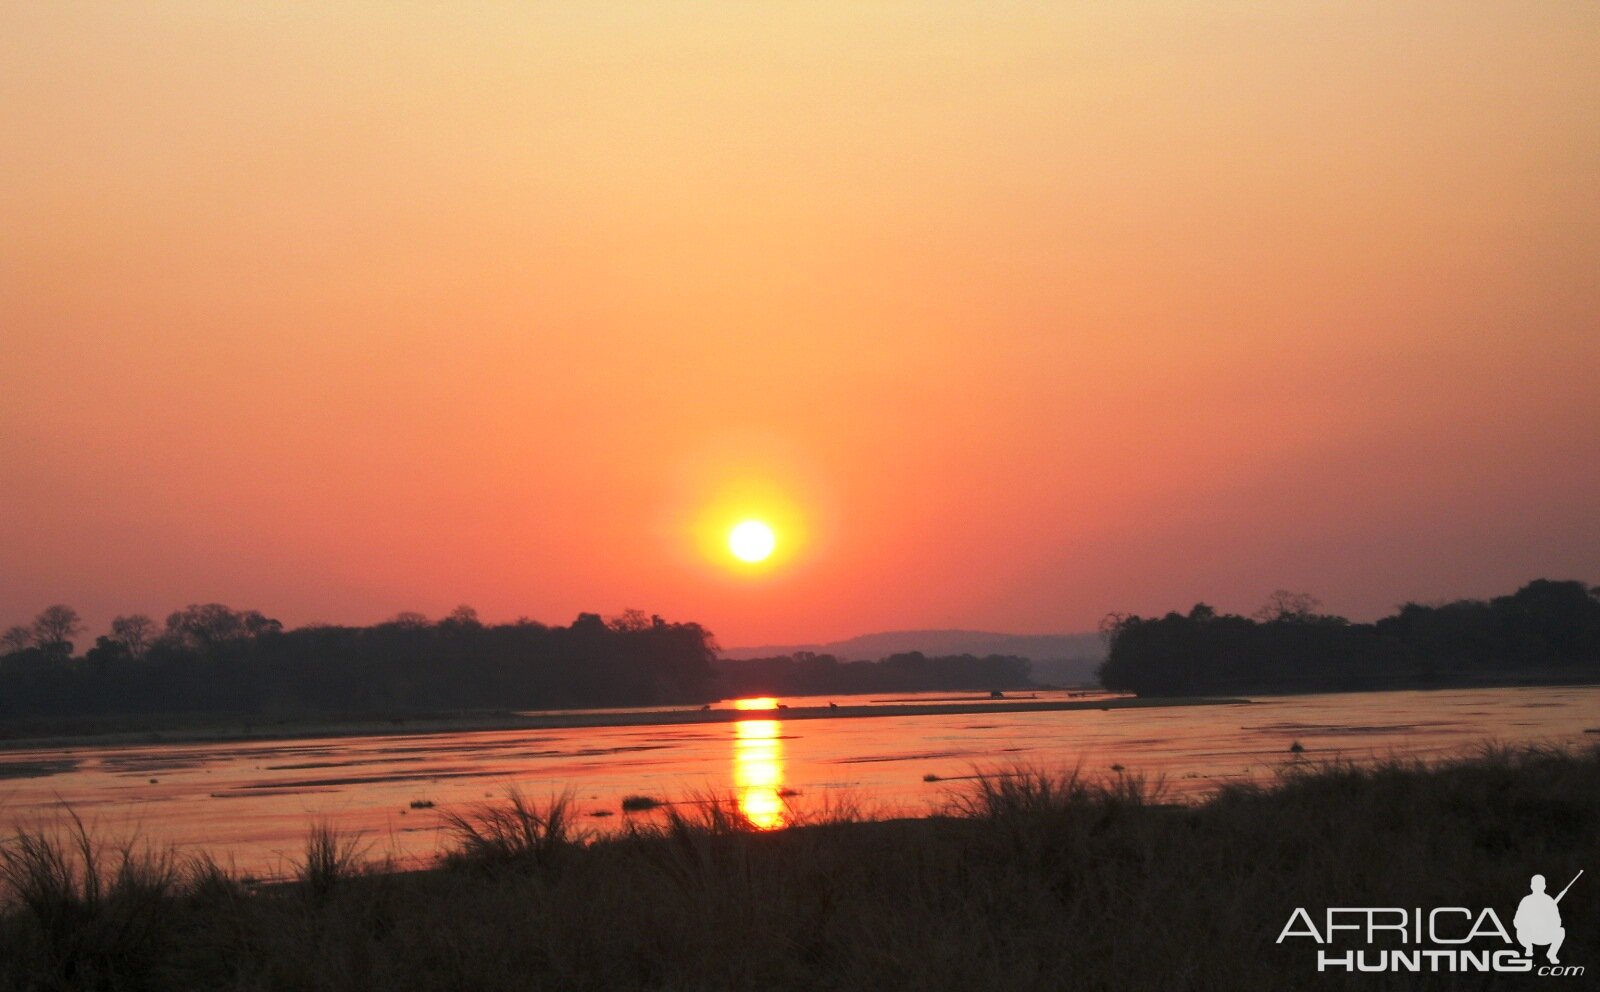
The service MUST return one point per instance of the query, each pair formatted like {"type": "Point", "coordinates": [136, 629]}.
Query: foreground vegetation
{"type": "Point", "coordinates": [1029, 881]}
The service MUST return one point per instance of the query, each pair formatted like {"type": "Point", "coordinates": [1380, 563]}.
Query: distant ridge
{"type": "Point", "coordinates": [1057, 658]}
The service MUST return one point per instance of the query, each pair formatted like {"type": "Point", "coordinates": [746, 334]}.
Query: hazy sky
{"type": "Point", "coordinates": [1005, 315]}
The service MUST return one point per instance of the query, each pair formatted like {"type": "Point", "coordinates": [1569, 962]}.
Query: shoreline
{"type": "Point", "coordinates": [291, 729]}
{"type": "Point", "coordinates": [224, 729]}
{"type": "Point", "coordinates": [1368, 686]}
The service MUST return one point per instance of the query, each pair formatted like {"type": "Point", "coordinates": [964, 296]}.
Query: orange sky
{"type": "Point", "coordinates": [1014, 314]}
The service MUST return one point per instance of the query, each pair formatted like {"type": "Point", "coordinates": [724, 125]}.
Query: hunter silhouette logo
{"type": "Point", "coordinates": [1446, 938]}
{"type": "Point", "coordinates": [1538, 919]}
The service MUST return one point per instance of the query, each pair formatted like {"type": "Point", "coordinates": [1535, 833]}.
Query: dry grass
{"type": "Point", "coordinates": [330, 858]}
{"type": "Point", "coordinates": [1028, 880]}
{"type": "Point", "coordinates": [518, 834]}
{"type": "Point", "coordinates": [94, 910]}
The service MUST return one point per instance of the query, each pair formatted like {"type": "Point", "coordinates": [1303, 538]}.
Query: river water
{"type": "Point", "coordinates": [251, 802]}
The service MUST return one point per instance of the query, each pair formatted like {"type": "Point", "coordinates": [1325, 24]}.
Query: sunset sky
{"type": "Point", "coordinates": [1003, 316]}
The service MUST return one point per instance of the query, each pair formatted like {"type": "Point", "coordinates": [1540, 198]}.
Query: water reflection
{"type": "Point", "coordinates": [251, 800]}
{"type": "Point", "coordinates": [758, 771]}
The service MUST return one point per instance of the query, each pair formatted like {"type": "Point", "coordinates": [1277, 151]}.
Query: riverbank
{"type": "Point", "coordinates": [1029, 881]}
{"type": "Point", "coordinates": [16, 735]}
{"type": "Point", "coordinates": [59, 733]}
{"type": "Point", "coordinates": [1397, 683]}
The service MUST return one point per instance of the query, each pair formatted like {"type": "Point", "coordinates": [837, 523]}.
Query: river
{"type": "Point", "coordinates": [251, 802]}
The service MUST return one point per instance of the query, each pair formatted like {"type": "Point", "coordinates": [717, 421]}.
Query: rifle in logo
{"type": "Point", "coordinates": [1570, 884]}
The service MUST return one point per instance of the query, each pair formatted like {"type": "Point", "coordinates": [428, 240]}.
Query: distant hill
{"type": "Point", "coordinates": [1057, 658]}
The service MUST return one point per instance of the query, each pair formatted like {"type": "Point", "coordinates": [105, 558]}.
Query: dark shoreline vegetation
{"type": "Point", "coordinates": [1028, 880]}
{"type": "Point", "coordinates": [212, 665]}
{"type": "Point", "coordinates": [1547, 632]}
{"type": "Point", "coordinates": [210, 661]}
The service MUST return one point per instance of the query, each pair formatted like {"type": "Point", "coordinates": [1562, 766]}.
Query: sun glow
{"type": "Point", "coordinates": [749, 525]}
{"type": "Point", "coordinates": [752, 541]}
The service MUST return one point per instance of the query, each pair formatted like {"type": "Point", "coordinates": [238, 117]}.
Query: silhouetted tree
{"type": "Point", "coordinates": [209, 628]}
{"type": "Point", "coordinates": [107, 650]}
{"type": "Point", "coordinates": [1108, 625]}
{"type": "Point", "coordinates": [135, 632]}
{"type": "Point", "coordinates": [631, 620]}
{"type": "Point", "coordinates": [1288, 607]}
{"type": "Point", "coordinates": [1554, 620]}
{"type": "Point", "coordinates": [17, 638]}
{"type": "Point", "coordinates": [55, 627]}
{"type": "Point", "coordinates": [256, 624]}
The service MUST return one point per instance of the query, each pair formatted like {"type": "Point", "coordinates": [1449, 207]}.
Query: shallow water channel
{"type": "Point", "coordinates": [251, 802]}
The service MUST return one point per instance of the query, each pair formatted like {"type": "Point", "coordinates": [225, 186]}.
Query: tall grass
{"type": "Point", "coordinates": [1026, 791]}
{"type": "Point", "coordinates": [88, 908]}
{"type": "Point", "coordinates": [518, 834]}
{"type": "Point", "coordinates": [331, 856]}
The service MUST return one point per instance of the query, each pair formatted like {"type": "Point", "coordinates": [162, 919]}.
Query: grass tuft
{"type": "Point", "coordinates": [331, 856]}
{"type": "Point", "coordinates": [516, 834]}
{"type": "Point", "coordinates": [90, 908]}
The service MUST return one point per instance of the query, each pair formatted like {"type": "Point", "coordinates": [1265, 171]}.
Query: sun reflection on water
{"type": "Point", "coordinates": [758, 771]}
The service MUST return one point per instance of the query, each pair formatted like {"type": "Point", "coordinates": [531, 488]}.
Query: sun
{"type": "Point", "coordinates": [751, 541]}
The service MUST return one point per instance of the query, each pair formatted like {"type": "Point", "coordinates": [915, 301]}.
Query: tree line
{"type": "Point", "coordinates": [1545, 631]}
{"type": "Point", "coordinates": [807, 674]}
{"type": "Point", "coordinates": [211, 658]}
